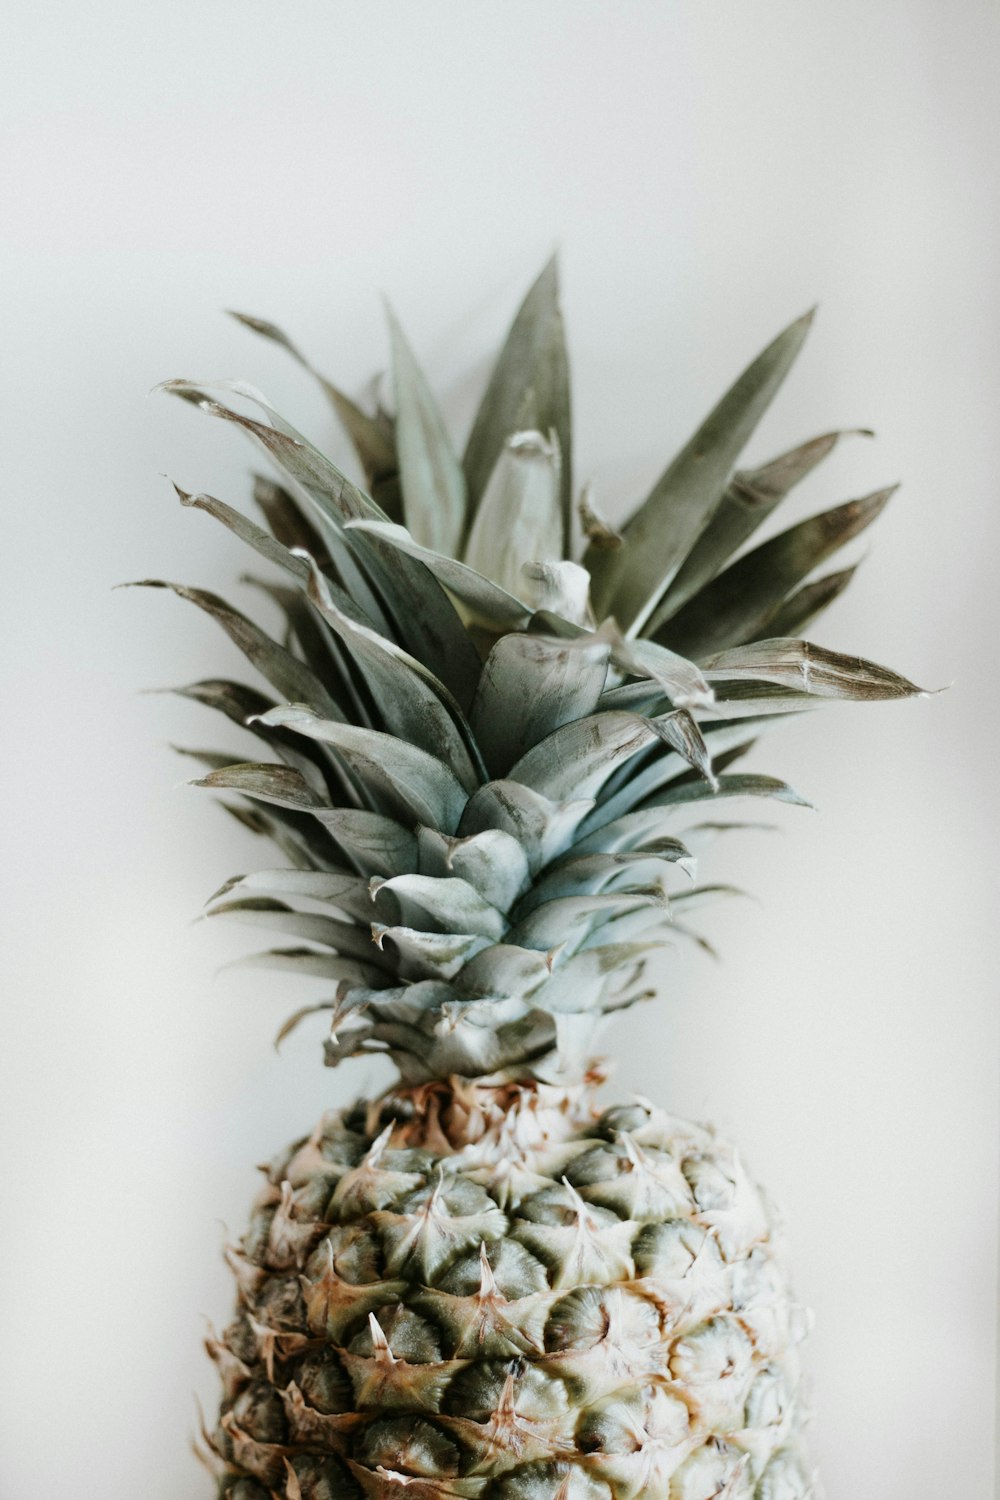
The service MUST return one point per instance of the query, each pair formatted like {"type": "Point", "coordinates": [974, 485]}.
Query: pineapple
{"type": "Point", "coordinates": [488, 768]}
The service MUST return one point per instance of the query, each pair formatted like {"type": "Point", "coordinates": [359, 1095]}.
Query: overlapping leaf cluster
{"type": "Point", "coordinates": [478, 750]}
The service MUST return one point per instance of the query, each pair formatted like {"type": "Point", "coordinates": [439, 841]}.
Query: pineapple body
{"type": "Point", "coordinates": [498, 733]}
{"type": "Point", "coordinates": [501, 1294]}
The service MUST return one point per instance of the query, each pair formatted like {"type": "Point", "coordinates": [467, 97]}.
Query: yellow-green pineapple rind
{"type": "Point", "coordinates": [567, 1308]}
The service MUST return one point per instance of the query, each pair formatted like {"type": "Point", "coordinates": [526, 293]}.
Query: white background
{"type": "Point", "coordinates": [708, 170]}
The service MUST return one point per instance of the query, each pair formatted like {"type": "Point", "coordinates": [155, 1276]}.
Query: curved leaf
{"type": "Point", "coordinates": [493, 862]}
{"type": "Point", "coordinates": [529, 388]}
{"type": "Point", "coordinates": [738, 604]}
{"type": "Point", "coordinates": [377, 845]}
{"type": "Point", "coordinates": [286, 674]}
{"type": "Point", "coordinates": [630, 581]}
{"type": "Point", "coordinates": [750, 497]}
{"type": "Point", "coordinates": [448, 903]}
{"type": "Point", "coordinates": [518, 519]}
{"type": "Point", "coordinates": [542, 827]}
{"type": "Point", "coordinates": [410, 784]}
{"type": "Point", "coordinates": [414, 704]}
{"type": "Point", "coordinates": [802, 607]}
{"type": "Point", "coordinates": [485, 600]}
{"type": "Point", "coordinates": [811, 669]}
{"type": "Point", "coordinates": [531, 685]}
{"type": "Point", "coordinates": [432, 478]}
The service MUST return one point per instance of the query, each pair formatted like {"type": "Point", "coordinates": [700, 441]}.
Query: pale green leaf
{"type": "Point", "coordinates": [543, 827]}
{"type": "Point", "coordinates": [810, 669]}
{"type": "Point", "coordinates": [486, 601]}
{"type": "Point", "coordinates": [432, 478]}
{"type": "Point", "coordinates": [529, 388]}
{"type": "Point", "coordinates": [531, 685]}
{"type": "Point", "coordinates": [411, 785]}
{"type": "Point", "coordinates": [750, 497]}
{"type": "Point", "coordinates": [737, 605]}
{"type": "Point", "coordinates": [414, 704]}
{"type": "Point", "coordinates": [518, 519]}
{"type": "Point", "coordinates": [630, 581]}
{"type": "Point", "coordinates": [493, 862]}
{"type": "Point", "coordinates": [446, 904]}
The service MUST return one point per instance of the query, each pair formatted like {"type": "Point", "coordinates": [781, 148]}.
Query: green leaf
{"type": "Point", "coordinates": [531, 685]}
{"type": "Point", "coordinates": [382, 580]}
{"type": "Point", "coordinates": [749, 499]}
{"type": "Point", "coordinates": [306, 963]}
{"type": "Point", "coordinates": [588, 874]}
{"type": "Point", "coordinates": [410, 784]}
{"type": "Point", "coordinates": [682, 681]}
{"type": "Point", "coordinates": [630, 581]}
{"type": "Point", "coordinates": [660, 770]}
{"type": "Point", "coordinates": [288, 522]}
{"type": "Point", "coordinates": [347, 938]}
{"type": "Point", "coordinates": [448, 904]}
{"type": "Point", "coordinates": [372, 437]}
{"type": "Point", "coordinates": [567, 920]}
{"type": "Point", "coordinates": [433, 482]}
{"type": "Point", "coordinates": [542, 827]}
{"type": "Point", "coordinates": [280, 785]}
{"type": "Point", "coordinates": [256, 537]}
{"type": "Point", "coordinates": [577, 759]}
{"type": "Point", "coordinates": [811, 669]}
{"type": "Point", "coordinates": [518, 520]}
{"type": "Point", "coordinates": [580, 757]}
{"type": "Point", "coordinates": [286, 674]}
{"type": "Point", "coordinates": [529, 388]}
{"type": "Point", "coordinates": [802, 607]}
{"type": "Point", "coordinates": [738, 604]}
{"type": "Point", "coordinates": [493, 862]}
{"type": "Point", "coordinates": [486, 602]}
{"type": "Point", "coordinates": [349, 893]}
{"type": "Point", "coordinates": [414, 704]}
{"type": "Point", "coordinates": [428, 955]}
{"type": "Point", "coordinates": [504, 971]}
{"type": "Point", "coordinates": [377, 845]}
{"type": "Point", "coordinates": [633, 831]}
{"type": "Point", "coordinates": [746, 785]}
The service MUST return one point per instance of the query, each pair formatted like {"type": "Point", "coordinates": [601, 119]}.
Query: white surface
{"type": "Point", "coordinates": [709, 171]}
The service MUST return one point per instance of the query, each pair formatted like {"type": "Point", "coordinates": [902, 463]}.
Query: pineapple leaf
{"type": "Point", "coordinates": [738, 604]}
{"type": "Point", "coordinates": [346, 938]}
{"type": "Point", "coordinates": [280, 785]}
{"type": "Point", "coordinates": [408, 782]}
{"type": "Point", "coordinates": [750, 497]}
{"type": "Point", "coordinates": [543, 827]}
{"type": "Point", "coordinates": [432, 478]}
{"type": "Point", "coordinates": [349, 893]}
{"type": "Point", "coordinates": [486, 601]}
{"type": "Point", "coordinates": [802, 607]}
{"type": "Point", "coordinates": [518, 520]}
{"type": "Point", "coordinates": [286, 674]}
{"type": "Point", "coordinates": [811, 669]}
{"type": "Point", "coordinates": [630, 581]}
{"type": "Point", "coordinates": [531, 685]}
{"type": "Point", "coordinates": [449, 903]}
{"type": "Point", "coordinates": [414, 705]}
{"type": "Point", "coordinates": [372, 437]}
{"type": "Point", "coordinates": [529, 388]}
{"type": "Point", "coordinates": [385, 581]}
{"type": "Point", "coordinates": [307, 963]}
{"type": "Point", "coordinates": [377, 845]}
{"type": "Point", "coordinates": [492, 862]}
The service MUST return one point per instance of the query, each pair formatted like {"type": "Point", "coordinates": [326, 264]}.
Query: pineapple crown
{"type": "Point", "coordinates": [487, 762]}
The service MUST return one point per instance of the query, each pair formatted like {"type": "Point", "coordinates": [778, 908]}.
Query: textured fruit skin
{"type": "Point", "coordinates": [500, 1294]}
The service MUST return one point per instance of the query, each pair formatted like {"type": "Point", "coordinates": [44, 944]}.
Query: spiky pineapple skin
{"type": "Point", "coordinates": [538, 1304]}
